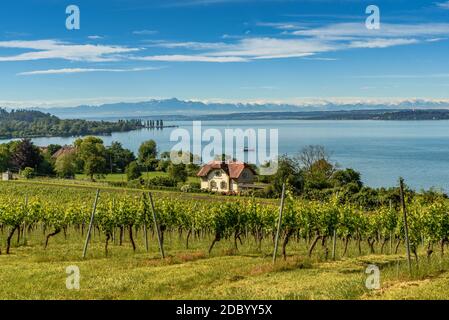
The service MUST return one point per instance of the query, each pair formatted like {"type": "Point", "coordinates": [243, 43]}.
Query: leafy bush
{"type": "Point", "coordinates": [178, 172]}
{"type": "Point", "coordinates": [191, 187]}
{"type": "Point", "coordinates": [162, 182]}
{"type": "Point", "coordinates": [27, 173]}
{"type": "Point", "coordinates": [133, 171]}
{"type": "Point", "coordinates": [135, 184]}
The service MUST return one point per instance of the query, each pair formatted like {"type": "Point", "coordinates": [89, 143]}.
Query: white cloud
{"type": "Point", "coordinates": [95, 37]}
{"type": "Point", "coordinates": [191, 58]}
{"type": "Point", "coordinates": [145, 32]}
{"type": "Point", "coordinates": [83, 70]}
{"type": "Point", "coordinates": [381, 43]}
{"type": "Point", "coordinates": [193, 45]}
{"type": "Point", "coordinates": [52, 49]}
{"type": "Point", "coordinates": [443, 5]}
{"type": "Point", "coordinates": [269, 48]}
{"type": "Point", "coordinates": [280, 25]}
{"type": "Point", "coordinates": [348, 30]}
{"type": "Point", "coordinates": [303, 43]}
{"type": "Point", "coordinates": [244, 50]}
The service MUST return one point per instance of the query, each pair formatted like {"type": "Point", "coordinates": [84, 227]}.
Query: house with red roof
{"type": "Point", "coordinates": [227, 176]}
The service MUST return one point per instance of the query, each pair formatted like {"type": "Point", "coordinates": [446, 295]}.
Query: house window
{"type": "Point", "coordinates": [213, 185]}
{"type": "Point", "coordinates": [223, 185]}
{"type": "Point", "coordinates": [218, 173]}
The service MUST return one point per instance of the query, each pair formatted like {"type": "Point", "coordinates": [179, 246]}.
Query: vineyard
{"type": "Point", "coordinates": [235, 221]}
{"type": "Point", "coordinates": [326, 231]}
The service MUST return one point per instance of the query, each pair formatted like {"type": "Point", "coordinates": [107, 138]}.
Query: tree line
{"type": "Point", "coordinates": [90, 156]}
{"type": "Point", "coordinates": [29, 123]}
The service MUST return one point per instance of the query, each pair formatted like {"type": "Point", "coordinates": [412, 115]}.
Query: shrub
{"type": "Point", "coordinates": [191, 187]}
{"type": "Point", "coordinates": [135, 184]}
{"type": "Point", "coordinates": [162, 182]}
{"type": "Point", "coordinates": [177, 172]}
{"type": "Point", "coordinates": [27, 173]}
{"type": "Point", "coordinates": [133, 171]}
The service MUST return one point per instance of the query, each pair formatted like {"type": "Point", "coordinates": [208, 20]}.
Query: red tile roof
{"type": "Point", "coordinates": [233, 169]}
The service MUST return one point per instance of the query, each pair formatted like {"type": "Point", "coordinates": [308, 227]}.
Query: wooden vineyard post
{"type": "Point", "coordinates": [114, 233]}
{"type": "Point", "coordinates": [24, 233]}
{"type": "Point", "coordinates": [145, 234]}
{"type": "Point", "coordinates": [391, 233]}
{"type": "Point", "coordinates": [156, 226]}
{"type": "Point", "coordinates": [91, 224]}
{"type": "Point", "coordinates": [334, 244]}
{"type": "Point", "coordinates": [404, 210]}
{"type": "Point", "coordinates": [281, 209]}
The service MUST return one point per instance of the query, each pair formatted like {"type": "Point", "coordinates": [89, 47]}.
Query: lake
{"type": "Point", "coordinates": [381, 150]}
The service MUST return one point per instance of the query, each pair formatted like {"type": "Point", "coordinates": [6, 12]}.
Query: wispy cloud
{"type": "Point", "coordinates": [244, 50]}
{"type": "Point", "coordinates": [301, 41]}
{"type": "Point", "coordinates": [95, 37]}
{"type": "Point", "coordinates": [381, 43]}
{"type": "Point", "coordinates": [53, 49]}
{"type": "Point", "coordinates": [347, 30]}
{"type": "Point", "coordinates": [84, 70]}
{"type": "Point", "coordinates": [281, 25]}
{"type": "Point", "coordinates": [443, 5]}
{"type": "Point", "coordinates": [187, 45]}
{"type": "Point", "coordinates": [145, 32]}
{"type": "Point", "coordinates": [191, 58]}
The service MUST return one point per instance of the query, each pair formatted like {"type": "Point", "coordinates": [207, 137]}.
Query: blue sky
{"type": "Point", "coordinates": [294, 51]}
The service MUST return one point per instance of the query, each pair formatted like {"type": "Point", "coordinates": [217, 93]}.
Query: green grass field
{"type": "Point", "coordinates": [32, 272]}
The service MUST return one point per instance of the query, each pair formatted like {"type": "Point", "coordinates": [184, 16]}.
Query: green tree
{"type": "Point", "coordinates": [147, 155]}
{"type": "Point", "coordinates": [118, 158]}
{"type": "Point", "coordinates": [45, 167]}
{"type": "Point", "coordinates": [92, 153]}
{"type": "Point", "coordinates": [164, 161]}
{"type": "Point", "coordinates": [317, 167]}
{"type": "Point", "coordinates": [288, 172]}
{"type": "Point", "coordinates": [319, 175]}
{"type": "Point", "coordinates": [147, 151]}
{"type": "Point", "coordinates": [25, 154]}
{"type": "Point", "coordinates": [65, 165]}
{"type": "Point", "coordinates": [5, 157]}
{"type": "Point", "coordinates": [178, 172]}
{"type": "Point", "coordinates": [52, 149]}
{"type": "Point", "coordinates": [133, 171]}
{"type": "Point", "coordinates": [192, 169]}
{"type": "Point", "coordinates": [347, 176]}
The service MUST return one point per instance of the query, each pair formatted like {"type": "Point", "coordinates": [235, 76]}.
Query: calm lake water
{"type": "Point", "coordinates": [381, 150]}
